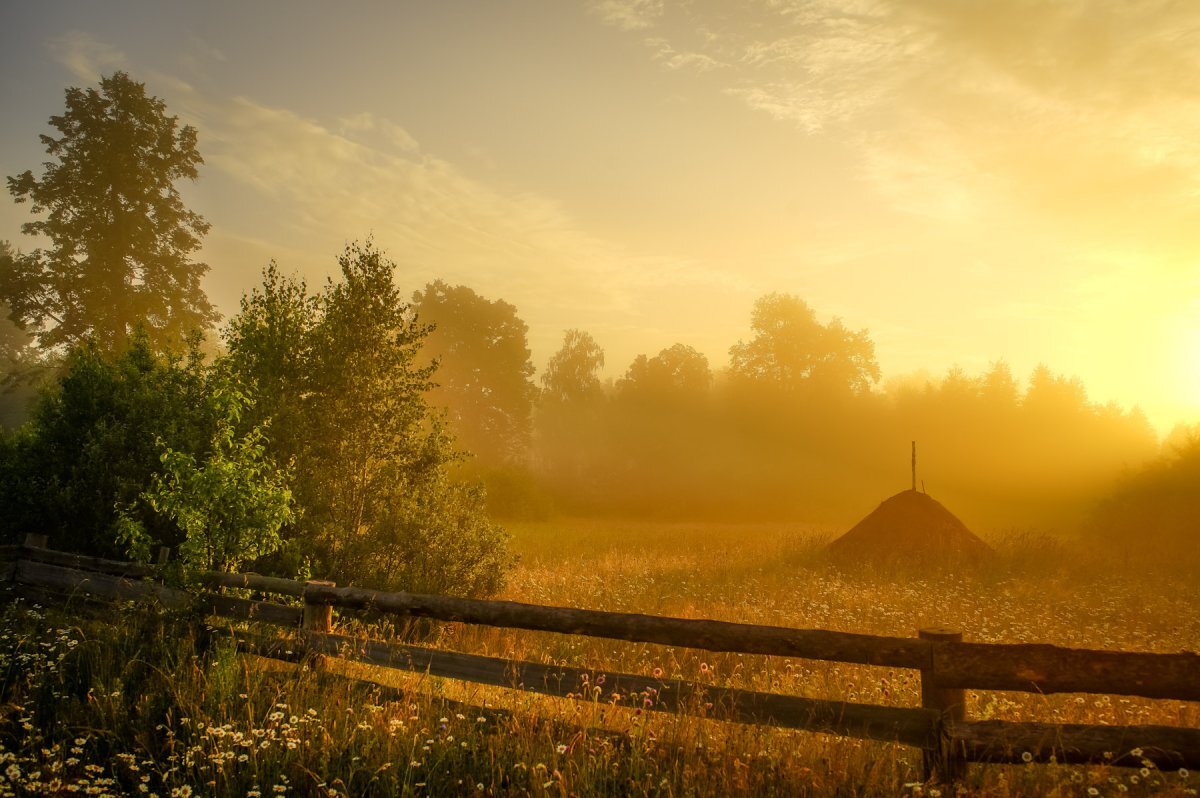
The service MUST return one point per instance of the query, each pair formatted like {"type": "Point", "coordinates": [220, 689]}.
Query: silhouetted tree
{"type": "Point", "coordinates": [573, 373]}
{"type": "Point", "coordinates": [794, 352]}
{"type": "Point", "coordinates": [121, 238]}
{"type": "Point", "coordinates": [14, 341]}
{"type": "Point", "coordinates": [674, 373]}
{"type": "Point", "coordinates": [483, 370]}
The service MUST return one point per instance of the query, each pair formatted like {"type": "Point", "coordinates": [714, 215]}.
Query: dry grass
{"type": "Point", "coordinates": [371, 740]}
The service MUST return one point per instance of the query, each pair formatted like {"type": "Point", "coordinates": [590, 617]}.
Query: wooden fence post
{"type": "Point", "coordinates": [318, 618]}
{"type": "Point", "coordinates": [37, 541]}
{"type": "Point", "coordinates": [943, 761]}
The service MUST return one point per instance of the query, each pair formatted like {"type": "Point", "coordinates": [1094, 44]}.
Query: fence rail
{"type": "Point", "coordinates": [947, 665]}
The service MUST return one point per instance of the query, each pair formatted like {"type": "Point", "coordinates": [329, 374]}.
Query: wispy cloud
{"type": "Point", "coordinates": [312, 185]}
{"type": "Point", "coordinates": [1053, 107]}
{"type": "Point", "coordinates": [628, 14]}
{"type": "Point", "coordinates": [86, 57]}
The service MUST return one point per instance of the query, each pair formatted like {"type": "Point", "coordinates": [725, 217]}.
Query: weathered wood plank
{"type": "Point", "coordinates": [84, 562]}
{"type": "Point", "coordinates": [889, 724]}
{"type": "Point", "coordinates": [693, 633]}
{"type": "Point", "coordinates": [265, 584]}
{"type": "Point", "coordinates": [1168, 747]}
{"type": "Point", "coordinates": [71, 580]}
{"type": "Point", "coordinates": [1041, 668]}
{"type": "Point", "coordinates": [257, 611]}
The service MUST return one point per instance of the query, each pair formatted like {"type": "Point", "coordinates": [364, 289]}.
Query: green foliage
{"type": "Point", "coordinates": [231, 505]}
{"type": "Point", "coordinates": [340, 375]}
{"type": "Point", "coordinates": [483, 370]}
{"type": "Point", "coordinates": [91, 446]}
{"type": "Point", "coordinates": [121, 238]}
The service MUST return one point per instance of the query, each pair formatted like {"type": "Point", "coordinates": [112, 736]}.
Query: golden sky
{"type": "Point", "coordinates": [971, 181]}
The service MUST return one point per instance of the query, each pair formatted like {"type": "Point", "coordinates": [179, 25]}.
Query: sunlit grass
{"type": "Point", "coordinates": [156, 709]}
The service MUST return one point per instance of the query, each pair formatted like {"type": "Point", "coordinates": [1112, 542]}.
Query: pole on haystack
{"type": "Point", "coordinates": [914, 465]}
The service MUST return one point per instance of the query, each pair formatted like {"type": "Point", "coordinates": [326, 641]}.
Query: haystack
{"type": "Point", "coordinates": [910, 527]}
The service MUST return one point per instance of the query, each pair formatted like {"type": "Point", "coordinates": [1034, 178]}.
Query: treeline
{"type": "Point", "coordinates": [795, 427]}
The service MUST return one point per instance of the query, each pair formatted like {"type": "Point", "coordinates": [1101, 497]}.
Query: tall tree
{"type": "Point", "coordinates": [340, 375]}
{"type": "Point", "coordinates": [674, 373]}
{"type": "Point", "coordinates": [14, 341]}
{"type": "Point", "coordinates": [121, 238]}
{"type": "Point", "coordinates": [573, 373]}
{"type": "Point", "coordinates": [483, 370]}
{"type": "Point", "coordinates": [793, 351]}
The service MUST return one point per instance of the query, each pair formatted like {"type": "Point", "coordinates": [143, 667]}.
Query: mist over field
{"type": "Point", "coordinates": [614, 397]}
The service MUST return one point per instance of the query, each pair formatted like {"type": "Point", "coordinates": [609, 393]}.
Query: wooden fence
{"type": "Point", "coordinates": [948, 666]}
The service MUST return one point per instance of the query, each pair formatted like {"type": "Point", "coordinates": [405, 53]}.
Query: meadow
{"type": "Point", "coordinates": [158, 704]}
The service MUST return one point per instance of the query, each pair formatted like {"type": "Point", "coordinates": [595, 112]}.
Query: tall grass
{"type": "Point", "coordinates": [141, 702]}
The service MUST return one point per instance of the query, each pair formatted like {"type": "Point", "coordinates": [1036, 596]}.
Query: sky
{"type": "Point", "coordinates": [1015, 180]}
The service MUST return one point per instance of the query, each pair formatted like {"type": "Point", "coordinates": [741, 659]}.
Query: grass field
{"type": "Point", "coordinates": [99, 708]}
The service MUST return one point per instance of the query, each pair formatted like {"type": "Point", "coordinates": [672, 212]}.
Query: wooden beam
{"type": "Point", "coordinates": [888, 724]}
{"type": "Point", "coordinates": [85, 563]}
{"type": "Point", "coordinates": [1041, 668]}
{"type": "Point", "coordinates": [257, 611]}
{"type": "Point", "coordinates": [264, 584]}
{"type": "Point", "coordinates": [70, 580]}
{"type": "Point", "coordinates": [1168, 747]}
{"type": "Point", "coordinates": [901, 652]}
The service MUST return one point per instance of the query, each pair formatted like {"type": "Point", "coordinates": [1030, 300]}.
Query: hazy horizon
{"type": "Point", "coordinates": [1009, 183]}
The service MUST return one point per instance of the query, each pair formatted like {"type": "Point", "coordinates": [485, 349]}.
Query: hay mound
{"type": "Point", "coordinates": [910, 526]}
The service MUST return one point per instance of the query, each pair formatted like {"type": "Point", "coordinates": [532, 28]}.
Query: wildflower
{"type": "Point", "coordinates": [1183, 773]}
{"type": "Point", "coordinates": [658, 673]}
{"type": "Point", "coordinates": [1145, 772]}
{"type": "Point", "coordinates": [1093, 791]}
{"type": "Point", "coordinates": [562, 749]}
{"type": "Point", "coordinates": [1136, 752]}
{"type": "Point", "coordinates": [1027, 757]}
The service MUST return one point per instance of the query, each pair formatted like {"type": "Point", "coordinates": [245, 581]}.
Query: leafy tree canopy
{"type": "Point", "coordinates": [341, 376]}
{"type": "Point", "coordinates": [484, 373]}
{"type": "Point", "coordinates": [794, 352]}
{"type": "Point", "coordinates": [91, 446]}
{"type": "Point", "coordinates": [674, 373]}
{"type": "Point", "coordinates": [573, 373]}
{"type": "Point", "coordinates": [121, 238]}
